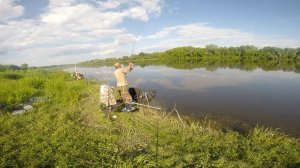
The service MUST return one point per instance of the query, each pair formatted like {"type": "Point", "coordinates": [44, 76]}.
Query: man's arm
{"type": "Point", "coordinates": [128, 69]}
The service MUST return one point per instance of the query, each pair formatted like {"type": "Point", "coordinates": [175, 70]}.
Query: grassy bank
{"type": "Point", "coordinates": [68, 130]}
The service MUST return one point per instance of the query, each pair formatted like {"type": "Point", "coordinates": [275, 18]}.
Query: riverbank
{"type": "Point", "coordinates": [69, 130]}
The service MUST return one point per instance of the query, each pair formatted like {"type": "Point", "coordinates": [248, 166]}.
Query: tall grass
{"type": "Point", "coordinates": [69, 130]}
{"type": "Point", "coordinates": [19, 86]}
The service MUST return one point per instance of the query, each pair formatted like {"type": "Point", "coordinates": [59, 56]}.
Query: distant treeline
{"type": "Point", "coordinates": [212, 56]}
{"type": "Point", "coordinates": [13, 67]}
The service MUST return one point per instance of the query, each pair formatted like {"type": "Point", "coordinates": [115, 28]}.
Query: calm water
{"type": "Point", "coordinates": [240, 98]}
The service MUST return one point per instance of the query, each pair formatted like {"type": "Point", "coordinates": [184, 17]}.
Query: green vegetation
{"type": "Point", "coordinates": [13, 67]}
{"type": "Point", "coordinates": [213, 57]}
{"type": "Point", "coordinates": [68, 130]}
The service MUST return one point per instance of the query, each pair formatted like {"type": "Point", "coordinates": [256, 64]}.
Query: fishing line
{"type": "Point", "coordinates": [134, 44]}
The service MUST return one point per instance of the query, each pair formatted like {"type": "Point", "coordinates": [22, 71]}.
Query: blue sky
{"type": "Point", "coordinates": [47, 32]}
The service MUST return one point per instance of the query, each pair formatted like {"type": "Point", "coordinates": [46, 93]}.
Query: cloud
{"type": "Point", "coordinates": [69, 31]}
{"type": "Point", "coordinates": [162, 33]}
{"type": "Point", "coordinates": [112, 4]}
{"type": "Point", "coordinates": [201, 34]}
{"type": "Point", "coordinates": [138, 13]}
{"type": "Point", "coordinates": [9, 10]}
{"type": "Point", "coordinates": [152, 6]}
{"type": "Point", "coordinates": [99, 13]}
{"type": "Point", "coordinates": [124, 39]}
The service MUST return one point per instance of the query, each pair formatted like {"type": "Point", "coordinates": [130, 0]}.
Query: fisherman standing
{"type": "Point", "coordinates": [122, 85]}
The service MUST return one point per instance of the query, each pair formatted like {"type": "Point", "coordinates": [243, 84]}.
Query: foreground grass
{"type": "Point", "coordinates": [68, 130]}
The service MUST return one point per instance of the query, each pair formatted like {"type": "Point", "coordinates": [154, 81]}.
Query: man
{"type": "Point", "coordinates": [122, 85]}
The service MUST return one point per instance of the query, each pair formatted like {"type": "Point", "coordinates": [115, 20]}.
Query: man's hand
{"type": "Point", "coordinates": [130, 66]}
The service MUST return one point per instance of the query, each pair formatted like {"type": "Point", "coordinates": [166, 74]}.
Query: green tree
{"type": "Point", "coordinates": [24, 66]}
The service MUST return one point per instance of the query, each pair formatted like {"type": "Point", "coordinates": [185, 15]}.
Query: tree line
{"type": "Point", "coordinates": [245, 57]}
{"type": "Point", "coordinates": [13, 67]}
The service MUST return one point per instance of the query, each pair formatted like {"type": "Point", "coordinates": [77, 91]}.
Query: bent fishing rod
{"type": "Point", "coordinates": [133, 46]}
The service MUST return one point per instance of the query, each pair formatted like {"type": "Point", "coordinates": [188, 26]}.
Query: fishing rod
{"type": "Point", "coordinates": [133, 46]}
{"type": "Point", "coordinates": [148, 106]}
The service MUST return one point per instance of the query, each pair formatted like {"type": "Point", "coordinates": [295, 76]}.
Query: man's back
{"type": "Point", "coordinates": [120, 76]}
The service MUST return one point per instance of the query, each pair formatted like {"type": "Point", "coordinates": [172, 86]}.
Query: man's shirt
{"type": "Point", "coordinates": [120, 76]}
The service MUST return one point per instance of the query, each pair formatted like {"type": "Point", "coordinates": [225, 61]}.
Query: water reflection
{"type": "Point", "coordinates": [265, 98]}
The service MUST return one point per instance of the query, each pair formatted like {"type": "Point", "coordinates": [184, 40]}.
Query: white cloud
{"type": "Point", "coordinates": [71, 11]}
{"type": "Point", "coordinates": [69, 31]}
{"type": "Point", "coordinates": [138, 13]}
{"type": "Point", "coordinates": [124, 39]}
{"type": "Point", "coordinates": [112, 4]}
{"type": "Point", "coordinates": [162, 33]}
{"type": "Point", "coordinates": [60, 3]}
{"type": "Point", "coordinates": [152, 6]}
{"type": "Point", "coordinates": [9, 10]}
{"type": "Point", "coordinates": [197, 34]}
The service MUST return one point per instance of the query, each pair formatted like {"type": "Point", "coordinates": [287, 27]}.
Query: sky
{"type": "Point", "coordinates": [54, 32]}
